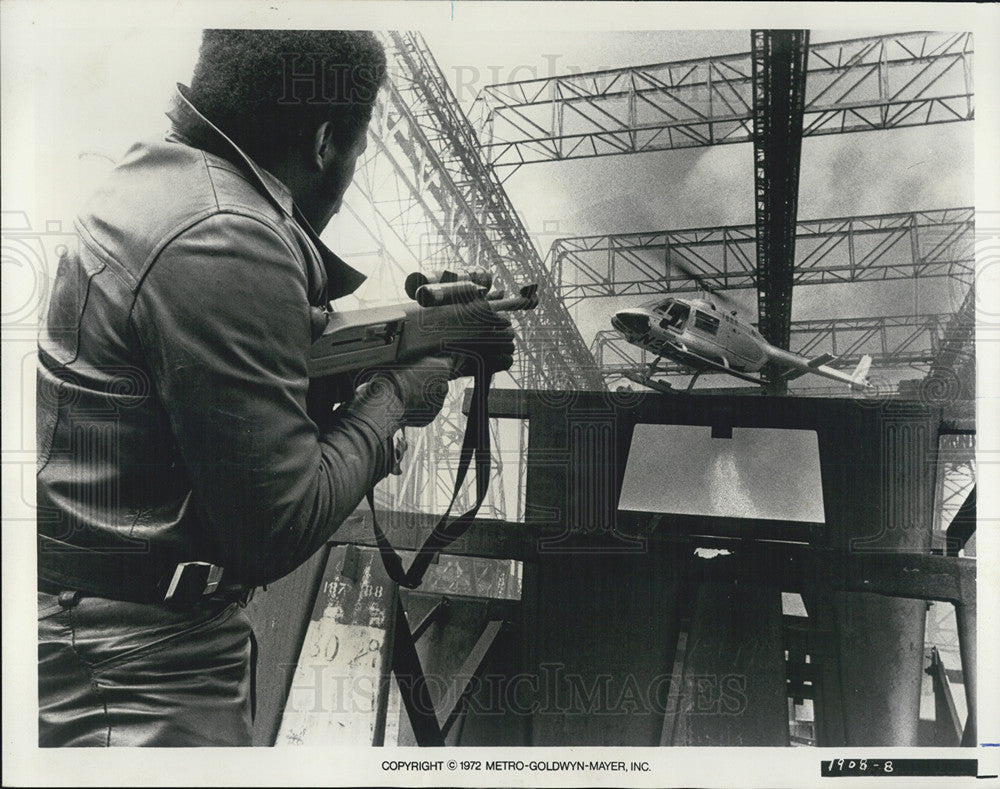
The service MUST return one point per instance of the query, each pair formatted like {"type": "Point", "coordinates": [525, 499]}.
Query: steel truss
{"type": "Point", "coordinates": [891, 341]}
{"type": "Point", "coordinates": [480, 213]}
{"type": "Point", "coordinates": [953, 370]}
{"type": "Point", "coordinates": [864, 84]}
{"type": "Point", "coordinates": [426, 199]}
{"type": "Point", "coordinates": [956, 475]}
{"type": "Point", "coordinates": [881, 247]}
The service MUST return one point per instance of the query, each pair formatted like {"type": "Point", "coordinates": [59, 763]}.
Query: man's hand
{"type": "Point", "coordinates": [483, 345]}
{"type": "Point", "coordinates": [421, 388]}
{"type": "Point", "coordinates": [488, 345]}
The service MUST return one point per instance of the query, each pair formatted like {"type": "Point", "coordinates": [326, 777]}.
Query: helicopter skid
{"type": "Point", "coordinates": [701, 363]}
{"type": "Point", "coordinates": [658, 386]}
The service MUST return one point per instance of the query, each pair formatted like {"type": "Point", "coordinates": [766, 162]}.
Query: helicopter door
{"type": "Point", "coordinates": [706, 323]}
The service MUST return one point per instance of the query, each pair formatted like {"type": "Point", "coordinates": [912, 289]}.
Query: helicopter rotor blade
{"type": "Point", "coordinates": [684, 266]}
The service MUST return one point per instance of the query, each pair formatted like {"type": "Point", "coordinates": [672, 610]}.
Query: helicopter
{"type": "Point", "coordinates": [700, 336]}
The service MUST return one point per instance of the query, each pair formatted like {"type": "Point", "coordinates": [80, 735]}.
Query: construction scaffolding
{"type": "Point", "coordinates": [881, 247]}
{"type": "Point", "coordinates": [864, 84]}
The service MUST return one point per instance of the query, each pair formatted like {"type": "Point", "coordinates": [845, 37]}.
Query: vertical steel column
{"type": "Point", "coordinates": [881, 639]}
{"type": "Point", "coordinates": [965, 616]}
{"type": "Point", "coordinates": [779, 69]}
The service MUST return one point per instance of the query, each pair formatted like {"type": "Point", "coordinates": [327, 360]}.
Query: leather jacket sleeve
{"type": "Point", "coordinates": [223, 321]}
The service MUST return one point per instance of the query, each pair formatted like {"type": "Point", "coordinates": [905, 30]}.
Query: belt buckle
{"type": "Point", "coordinates": [192, 582]}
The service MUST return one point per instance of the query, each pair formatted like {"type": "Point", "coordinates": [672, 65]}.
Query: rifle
{"type": "Point", "coordinates": [450, 307]}
{"type": "Point", "coordinates": [445, 312]}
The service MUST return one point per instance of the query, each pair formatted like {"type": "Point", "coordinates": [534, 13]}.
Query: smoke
{"type": "Point", "coordinates": [881, 172]}
{"type": "Point", "coordinates": [728, 490]}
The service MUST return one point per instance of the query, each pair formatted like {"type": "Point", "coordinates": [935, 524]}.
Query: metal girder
{"type": "Point", "coordinates": [891, 341]}
{"type": "Point", "coordinates": [475, 209]}
{"type": "Point", "coordinates": [947, 726]}
{"type": "Point", "coordinates": [779, 72]}
{"type": "Point", "coordinates": [952, 376]}
{"type": "Point", "coordinates": [956, 479]}
{"type": "Point", "coordinates": [427, 199]}
{"type": "Point", "coordinates": [864, 84]}
{"type": "Point", "coordinates": [880, 247]}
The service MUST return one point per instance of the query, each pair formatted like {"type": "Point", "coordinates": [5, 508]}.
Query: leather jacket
{"type": "Point", "coordinates": [172, 380]}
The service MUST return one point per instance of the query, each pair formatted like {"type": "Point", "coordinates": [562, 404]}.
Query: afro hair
{"type": "Point", "coordinates": [266, 88]}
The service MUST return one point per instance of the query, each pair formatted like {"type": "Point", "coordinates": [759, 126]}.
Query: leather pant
{"type": "Point", "coordinates": [119, 673]}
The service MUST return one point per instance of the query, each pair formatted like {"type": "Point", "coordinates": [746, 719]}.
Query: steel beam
{"type": "Point", "coordinates": [863, 84]}
{"type": "Point", "coordinates": [947, 726]}
{"type": "Point", "coordinates": [412, 684]}
{"type": "Point", "coordinates": [952, 376]}
{"type": "Point", "coordinates": [965, 619]}
{"type": "Point", "coordinates": [881, 247]}
{"type": "Point", "coordinates": [779, 70]}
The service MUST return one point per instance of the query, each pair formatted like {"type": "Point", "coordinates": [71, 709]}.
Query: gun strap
{"type": "Point", "coordinates": [475, 443]}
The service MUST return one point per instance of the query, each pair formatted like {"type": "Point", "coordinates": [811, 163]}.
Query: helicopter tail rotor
{"type": "Point", "coordinates": [860, 374]}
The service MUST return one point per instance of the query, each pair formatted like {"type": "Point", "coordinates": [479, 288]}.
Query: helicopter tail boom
{"type": "Point", "coordinates": [799, 365]}
{"type": "Point", "coordinates": [856, 380]}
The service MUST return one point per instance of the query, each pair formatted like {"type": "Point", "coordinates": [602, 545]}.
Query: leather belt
{"type": "Point", "coordinates": [132, 577]}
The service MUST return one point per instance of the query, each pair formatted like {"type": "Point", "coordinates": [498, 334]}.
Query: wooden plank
{"type": "Point", "coordinates": [446, 651]}
{"type": "Point", "coordinates": [602, 631]}
{"type": "Point", "coordinates": [733, 690]}
{"type": "Point", "coordinates": [280, 617]}
{"type": "Point", "coordinates": [340, 688]}
{"type": "Point", "coordinates": [407, 531]}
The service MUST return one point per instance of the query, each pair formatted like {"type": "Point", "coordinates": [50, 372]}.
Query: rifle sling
{"type": "Point", "coordinates": [475, 443]}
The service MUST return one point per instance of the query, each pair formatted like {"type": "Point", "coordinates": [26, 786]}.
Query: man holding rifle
{"type": "Point", "coordinates": [180, 465]}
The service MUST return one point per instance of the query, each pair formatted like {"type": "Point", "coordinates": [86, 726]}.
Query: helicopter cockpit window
{"type": "Point", "coordinates": [675, 316]}
{"type": "Point", "coordinates": [662, 306]}
{"type": "Point", "coordinates": [705, 322]}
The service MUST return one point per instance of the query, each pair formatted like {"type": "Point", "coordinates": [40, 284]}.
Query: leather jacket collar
{"type": "Point", "coordinates": [193, 128]}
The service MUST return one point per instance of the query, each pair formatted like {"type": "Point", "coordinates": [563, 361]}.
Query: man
{"type": "Point", "coordinates": [179, 463]}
